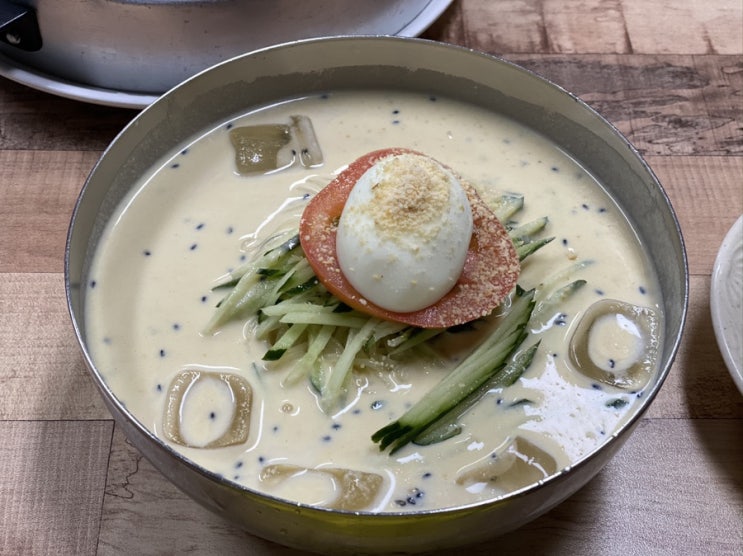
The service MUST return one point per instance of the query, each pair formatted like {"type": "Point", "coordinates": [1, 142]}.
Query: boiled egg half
{"type": "Point", "coordinates": [404, 232]}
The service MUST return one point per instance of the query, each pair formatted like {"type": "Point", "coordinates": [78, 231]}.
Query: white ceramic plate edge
{"type": "Point", "coordinates": [726, 301]}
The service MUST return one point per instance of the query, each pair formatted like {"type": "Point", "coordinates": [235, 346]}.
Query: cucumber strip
{"type": "Point", "coordinates": [475, 370]}
{"type": "Point", "coordinates": [548, 306]}
{"type": "Point", "coordinates": [562, 275]}
{"type": "Point", "coordinates": [447, 426]}
{"type": "Point", "coordinates": [521, 235]}
{"type": "Point", "coordinates": [297, 279]}
{"type": "Point", "coordinates": [415, 337]}
{"type": "Point", "coordinates": [287, 340]}
{"type": "Point", "coordinates": [507, 205]}
{"type": "Point", "coordinates": [266, 260]}
{"type": "Point", "coordinates": [315, 347]}
{"type": "Point", "coordinates": [266, 326]}
{"type": "Point", "coordinates": [330, 319]}
{"type": "Point", "coordinates": [249, 294]}
{"type": "Point", "coordinates": [527, 249]}
{"type": "Point", "coordinates": [292, 306]}
{"type": "Point", "coordinates": [388, 328]}
{"type": "Point", "coordinates": [333, 388]}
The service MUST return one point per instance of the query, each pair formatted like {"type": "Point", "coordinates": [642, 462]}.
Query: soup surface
{"type": "Point", "coordinates": [195, 217]}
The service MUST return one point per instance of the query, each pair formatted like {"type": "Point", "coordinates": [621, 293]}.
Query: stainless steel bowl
{"type": "Point", "coordinates": [128, 52]}
{"type": "Point", "coordinates": [299, 68]}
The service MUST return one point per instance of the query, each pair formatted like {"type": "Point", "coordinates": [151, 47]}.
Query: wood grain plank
{"type": "Point", "coordinates": [628, 507]}
{"type": "Point", "coordinates": [51, 485]}
{"type": "Point", "coordinates": [42, 373]}
{"type": "Point", "coordinates": [595, 27]}
{"type": "Point", "coordinates": [665, 105]}
{"type": "Point", "coordinates": [625, 509]}
{"type": "Point", "coordinates": [38, 193]}
{"type": "Point", "coordinates": [139, 499]}
{"type": "Point", "coordinates": [34, 120]}
{"type": "Point", "coordinates": [707, 194]}
{"type": "Point", "coordinates": [685, 26]}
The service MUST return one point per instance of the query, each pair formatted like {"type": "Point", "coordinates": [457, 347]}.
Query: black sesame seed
{"type": "Point", "coordinates": [193, 246]}
{"type": "Point", "coordinates": [395, 111]}
{"type": "Point", "coordinates": [236, 477]}
{"type": "Point", "coordinates": [162, 353]}
{"type": "Point", "coordinates": [599, 292]}
{"type": "Point", "coordinates": [106, 340]}
{"type": "Point", "coordinates": [377, 404]}
{"type": "Point", "coordinates": [395, 122]}
{"type": "Point", "coordinates": [93, 283]}
{"type": "Point", "coordinates": [584, 206]}
{"type": "Point", "coordinates": [229, 125]}
{"type": "Point", "coordinates": [596, 386]}
{"type": "Point", "coordinates": [203, 299]}
{"type": "Point", "coordinates": [212, 415]}
{"type": "Point", "coordinates": [401, 503]}
{"type": "Point", "coordinates": [159, 387]}
{"type": "Point", "coordinates": [184, 151]}
{"type": "Point", "coordinates": [564, 241]}
{"type": "Point", "coordinates": [643, 291]}
{"type": "Point", "coordinates": [336, 426]}
{"type": "Point", "coordinates": [147, 252]}
{"type": "Point", "coordinates": [602, 210]}
{"type": "Point", "coordinates": [238, 465]}
{"type": "Point", "coordinates": [427, 475]}
{"type": "Point", "coordinates": [612, 363]}
{"type": "Point", "coordinates": [324, 96]}
{"type": "Point", "coordinates": [432, 98]}
{"type": "Point", "coordinates": [230, 229]}
{"type": "Point", "coordinates": [326, 438]}
{"type": "Point", "coordinates": [175, 165]}
{"type": "Point", "coordinates": [200, 226]}
{"type": "Point", "coordinates": [356, 411]}
{"type": "Point", "coordinates": [555, 169]}
{"type": "Point", "coordinates": [275, 428]}
{"type": "Point", "coordinates": [261, 459]}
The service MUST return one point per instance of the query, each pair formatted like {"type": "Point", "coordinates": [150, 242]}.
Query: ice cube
{"type": "Point", "coordinates": [207, 409]}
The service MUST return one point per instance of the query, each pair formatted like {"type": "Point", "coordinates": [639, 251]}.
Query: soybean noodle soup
{"type": "Point", "coordinates": [194, 217]}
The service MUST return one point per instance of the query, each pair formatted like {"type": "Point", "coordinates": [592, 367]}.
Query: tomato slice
{"type": "Point", "coordinates": [490, 271]}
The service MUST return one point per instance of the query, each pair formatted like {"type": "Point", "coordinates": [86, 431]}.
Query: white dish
{"type": "Point", "coordinates": [726, 301]}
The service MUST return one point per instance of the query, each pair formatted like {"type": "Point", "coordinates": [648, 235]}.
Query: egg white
{"type": "Point", "coordinates": [404, 233]}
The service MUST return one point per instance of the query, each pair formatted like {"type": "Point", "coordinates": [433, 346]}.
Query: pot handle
{"type": "Point", "coordinates": [18, 26]}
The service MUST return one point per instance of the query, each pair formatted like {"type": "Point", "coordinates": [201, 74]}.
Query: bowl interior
{"type": "Point", "coordinates": [313, 66]}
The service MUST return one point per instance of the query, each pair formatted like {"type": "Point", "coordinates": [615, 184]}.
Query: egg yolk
{"type": "Point", "coordinates": [404, 232]}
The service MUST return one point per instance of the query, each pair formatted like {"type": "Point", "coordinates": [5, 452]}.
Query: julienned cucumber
{"type": "Point", "coordinates": [324, 340]}
{"type": "Point", "coordinates": [448, 425]}
{"type": "Point", "coordinates": [489, 358]}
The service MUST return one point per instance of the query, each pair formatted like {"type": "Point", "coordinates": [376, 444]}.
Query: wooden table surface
{"type": "Point", "coordinates": [668, 74]}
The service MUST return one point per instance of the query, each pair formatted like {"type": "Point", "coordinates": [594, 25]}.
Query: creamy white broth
{"type": "Point", "coordinates": [183, 226]}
